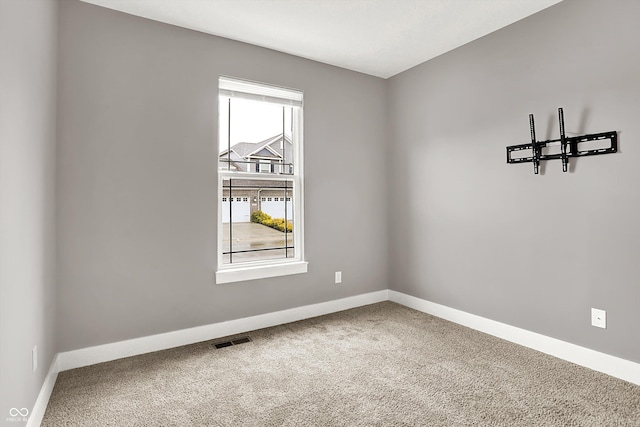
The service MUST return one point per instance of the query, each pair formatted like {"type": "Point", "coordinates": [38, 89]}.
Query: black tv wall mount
{"type": "Point", "coordinates": [562, 148]}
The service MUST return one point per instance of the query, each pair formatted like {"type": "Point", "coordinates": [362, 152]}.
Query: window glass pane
{"type": "Point", "coordinates": [255, 136]}
{"type": "Point", "coordinates": [259, 142]}
{"type": "Point", "coordinates": [258, 224]}
{"type": "Point", "coordinates": [265, 167]}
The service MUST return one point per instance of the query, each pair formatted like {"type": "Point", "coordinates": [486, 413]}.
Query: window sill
{"type": "Point", "coordinates": [260, 272]}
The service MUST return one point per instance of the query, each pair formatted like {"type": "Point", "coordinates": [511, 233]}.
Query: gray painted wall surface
{"type": "Point", "coordinates": [492, 239]}
{"type": "Point", "coordinates": [27, 198]}
{"type": "Point", "coordinates": [137, 179]}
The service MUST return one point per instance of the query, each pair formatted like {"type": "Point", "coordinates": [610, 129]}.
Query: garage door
{"type": "Point", "coordinates": [240, 209]}
{"type": "Point", "coordinates": [274, 206]}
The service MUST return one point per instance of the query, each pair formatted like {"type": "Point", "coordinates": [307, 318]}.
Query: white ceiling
{"type": "Point", "coordinates": [377, 37]}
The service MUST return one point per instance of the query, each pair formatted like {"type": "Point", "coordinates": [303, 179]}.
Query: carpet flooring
{"type": "Point", "coordinates": [378, 365]}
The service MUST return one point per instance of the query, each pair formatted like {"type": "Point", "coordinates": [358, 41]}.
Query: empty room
{"type": "Point", "coordinates": [319, 213]}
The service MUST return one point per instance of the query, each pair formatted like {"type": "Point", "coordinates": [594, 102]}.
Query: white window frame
{"type": "Point", "coordinates": [228, 273]}
{"type": "Point", "coordinates": [264, 166]}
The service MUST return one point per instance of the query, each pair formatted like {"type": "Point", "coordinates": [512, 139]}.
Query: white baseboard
{"type": "Point", "coordinates": [37, 413]}
{"type": "Point", "coordinates": [117, 350]}
{"type": "Point", "coordinates": [611, 365]}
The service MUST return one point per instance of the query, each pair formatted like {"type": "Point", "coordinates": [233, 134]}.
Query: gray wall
{"type": "Point", "coordinates": [27, 206]}
{"type": "Point", "coordinates": [137, 178]}
{"type": "Point", "coordinates": [471, 232]}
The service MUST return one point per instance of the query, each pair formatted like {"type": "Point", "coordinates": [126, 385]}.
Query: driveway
{"type": "Point", "coordinates": [249, 235]}
{"type": "Point", "coordinates": [251, 231]}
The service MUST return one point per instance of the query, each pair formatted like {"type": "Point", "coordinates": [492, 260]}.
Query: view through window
{"type": "Point", "coordinates": [259, 173]}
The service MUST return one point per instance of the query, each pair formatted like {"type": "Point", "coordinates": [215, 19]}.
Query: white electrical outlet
{"type": "Point", "coordinates": [598, 318]}
{"type": "Point", "coordinates": [338, 276]}
{"type": "Point", "coordinates": [34, 358]}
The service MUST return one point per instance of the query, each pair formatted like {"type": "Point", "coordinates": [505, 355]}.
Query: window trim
{"type": "Point", "coordinates": [229, 273]}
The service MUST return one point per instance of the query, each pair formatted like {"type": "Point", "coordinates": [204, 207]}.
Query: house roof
{"type": "Point", "coordinates": [235, 161]}
{"type": "Point", "coordinates": [247, 149]}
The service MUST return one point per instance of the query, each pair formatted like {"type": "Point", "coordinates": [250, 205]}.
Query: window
{"type": "Point", "coordinates": [260, 164]}
{"type": "Point", "coordinates": [265, 167]}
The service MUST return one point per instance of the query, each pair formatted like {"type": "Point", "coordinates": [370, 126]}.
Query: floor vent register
{"type": "Point", "coordinates": [237, 341]}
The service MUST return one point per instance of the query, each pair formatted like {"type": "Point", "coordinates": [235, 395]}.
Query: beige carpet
{"type": "Point", "coordinates": [379, 365]}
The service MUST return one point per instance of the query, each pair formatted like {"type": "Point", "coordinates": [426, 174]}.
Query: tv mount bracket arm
{"type": "Point", "coordinates": [568, 146]}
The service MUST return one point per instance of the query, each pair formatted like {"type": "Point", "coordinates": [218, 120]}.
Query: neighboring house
{"type": "Point", "coordinates": [245, 196]}
{"type": "Point", "coordinates": [273, 155]}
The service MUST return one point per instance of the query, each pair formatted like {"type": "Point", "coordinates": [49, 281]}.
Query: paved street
{"type": "Point", "coordinates": [251, 236]}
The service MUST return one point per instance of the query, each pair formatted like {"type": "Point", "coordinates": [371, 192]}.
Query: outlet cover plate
{"type": "Point", "coordinates": [338, 276]}
{"type": "Point", "coordinates": [598, 318]}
